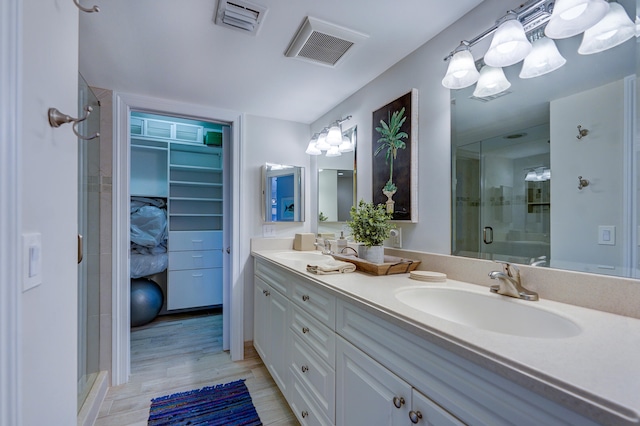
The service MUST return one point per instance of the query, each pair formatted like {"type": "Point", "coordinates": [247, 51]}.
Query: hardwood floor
{"type": "Point", "coordinates": [182, 353]}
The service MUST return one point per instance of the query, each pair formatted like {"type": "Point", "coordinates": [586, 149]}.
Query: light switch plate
{"type": "Point", "coordinates": [607, 235]}
{"type": "Point", "coordinates": [31, 260]}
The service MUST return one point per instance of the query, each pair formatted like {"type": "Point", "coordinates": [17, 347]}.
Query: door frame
{"type": "Point", "coordinates": [10, 222]}
{"type": "Point", "coordinates": [233, 288]}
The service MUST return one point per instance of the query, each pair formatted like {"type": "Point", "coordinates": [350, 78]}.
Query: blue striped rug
{"type": "Point", "coordinates": [229, 405]}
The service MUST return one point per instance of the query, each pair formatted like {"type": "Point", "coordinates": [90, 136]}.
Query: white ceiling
{"type": "Point", "coordinates": [172, 49]}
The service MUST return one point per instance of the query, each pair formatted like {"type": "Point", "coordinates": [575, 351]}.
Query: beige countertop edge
{"type": "Point", "coordinates": [596, 373]}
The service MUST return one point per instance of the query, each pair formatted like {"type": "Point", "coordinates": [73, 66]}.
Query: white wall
{"type": "Point", "coordinates": [268, 140]}
{"type": "Point", "coordinates": [49, 207]}
{"type": "Point", "coordinates": [596, 157]}
{"type": "Point", "coordinates": [423, 70]}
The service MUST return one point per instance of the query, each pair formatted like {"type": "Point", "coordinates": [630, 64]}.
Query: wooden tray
{"type": "Point", "coordinates": [391, 265]}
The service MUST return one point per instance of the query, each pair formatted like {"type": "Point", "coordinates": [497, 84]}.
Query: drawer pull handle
{"type": "Point", "coordinates": [304, 414]}
{"type": "Point", "coordinates": [304, 368]}
{"type": "Point", "coordinates": [305, 330]}
{"type": "Point", "coordinates": [415, 416]}
{"type": "Point", "coordinates": [197, 275]}
{"type": "Point", "coordinates": [197, 257]}
{"type": "Point", "coordinates": [196, 241]}
{"type": "Point", "coordinates": [266, 292]}
{"type": "Point", "coordinates": [305, 298]}
{"type": "Point", "coordinates": [398, 401]}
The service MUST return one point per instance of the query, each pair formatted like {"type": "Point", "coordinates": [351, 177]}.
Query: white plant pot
{"type": "Point", "coordinates": [373, 254]}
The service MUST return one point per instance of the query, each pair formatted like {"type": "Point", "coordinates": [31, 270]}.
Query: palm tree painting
{"type": "Point", "coordinates": [393, 156]}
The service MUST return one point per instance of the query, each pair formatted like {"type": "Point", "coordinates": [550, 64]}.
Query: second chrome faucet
{"type": "Point", "coordinates": [509, 283]}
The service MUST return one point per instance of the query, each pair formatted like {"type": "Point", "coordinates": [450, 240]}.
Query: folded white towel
{"type": "Point", "coordinates": [331, 266]}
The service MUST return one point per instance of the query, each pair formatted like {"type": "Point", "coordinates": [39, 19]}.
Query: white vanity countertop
{"type": "Point", "coordinates": [596, 373]}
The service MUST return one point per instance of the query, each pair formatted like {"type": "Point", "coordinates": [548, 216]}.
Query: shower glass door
{"type": "Point", "coordinates": [88, 228]}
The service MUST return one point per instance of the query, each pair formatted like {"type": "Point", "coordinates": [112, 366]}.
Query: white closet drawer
{"type": "Point", "coordinates": [179, 260]}
{"type": "Point", "coordinates": [194, 288]}
{"type": "Point", "coordinates": [319, 337]}
{"type": "Point", "coordinates": [316, 374]}
{"type": "Point", "coordinates": [305, 408]}
{"type": "Point", "coordinates": [195, 240]}
{"type": "Point", "coordinates": [316, 301]}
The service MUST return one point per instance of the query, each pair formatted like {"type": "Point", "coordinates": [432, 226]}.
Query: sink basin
{"type": "Point", "coordinates": [302, 256]}
{"type": "Point", "coordinates": [489, 312]}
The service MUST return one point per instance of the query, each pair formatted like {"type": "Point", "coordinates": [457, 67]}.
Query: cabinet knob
{"type": "Point", "coordinates": [305, 298]}
{"type": "Point", "coordinates": [304, 414]}
{"type": "Point", "coordinates": [266, 292]}
{"type": "Point", "coordinates": [415, 416]}
{"type": "Point", "coordinates": [398, 401]}
{"type": "Point", "coordinates": [305, 330]}
{"type": "Point", "coordinates": [304, 368]}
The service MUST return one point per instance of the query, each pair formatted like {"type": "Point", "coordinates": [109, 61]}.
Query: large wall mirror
{"type": "Point", "coordinates": [546, 173]}
{"type": "Point", "coordinates": [336, 187]}
{"type": "Point", "coordinates": [282, 193]}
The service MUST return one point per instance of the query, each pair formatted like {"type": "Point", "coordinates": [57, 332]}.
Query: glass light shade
{"type": "Point", "coordinates": [333, 152]}
{"type": "Point", "coordinates": [462, 71]}
{"type": "Point", "coordinates": [491, 82]}
{"type": "Point", "coordinates": [637, 26]}
{"type": "Point", "coordinates": [345, 146]}
{"type": "Point", "coordinates": [543, 59]}
{"type": "Point", "coordinates": [312, 149]}
{"type": "Point", "coordinates": [334, 137]}
{"type": "Point", "coordinates": [571, 17]}
{"type": "Point", "coordinates": [508, 46]}
{"type": "Point", "coordinates": [614, 29]}
{"type": "Point", "coordinates": [322, 144]}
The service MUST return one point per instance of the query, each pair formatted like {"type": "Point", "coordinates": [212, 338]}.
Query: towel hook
{"type": "Point", "coordinates": [582, 183]}
{"type": "Point", "coordinates": [582, 132]}
{"type": "Point", "coordinates": [86, 9]}
{"type": "Point", "coordinates": [56, 119]}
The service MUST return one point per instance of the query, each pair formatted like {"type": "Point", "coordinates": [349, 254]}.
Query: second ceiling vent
{"type": "Point", "coordinates": [240, 15]}
{"type": "Point", "coordinates": [323, 43]}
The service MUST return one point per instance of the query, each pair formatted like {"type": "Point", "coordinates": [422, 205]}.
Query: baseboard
{"type": "Point", "coordinates": [91, 408]}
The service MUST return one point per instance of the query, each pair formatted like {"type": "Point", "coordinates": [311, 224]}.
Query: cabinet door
{"type": "Point", "coordinates": [278, 339]}
{"type": "Point", "coordinates": [366, 392]}
{"type": "Point", "coordinates": [260, 317]}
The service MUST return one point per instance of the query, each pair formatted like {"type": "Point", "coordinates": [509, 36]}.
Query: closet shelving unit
{"type": "Point", "coordinates": [175, 163]}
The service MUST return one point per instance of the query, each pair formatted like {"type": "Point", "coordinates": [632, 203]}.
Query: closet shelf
{"type": "Point", "coordinates": [204, 169]}
{"type": "Point", "coordinates": [189, 183]}
{"type": "Point", "coordinates": [195, 215]}
{"type": "Point", "coordinates": [195, 199]}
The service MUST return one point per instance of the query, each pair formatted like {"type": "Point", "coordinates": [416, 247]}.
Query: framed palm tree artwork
{"type": "Point", "coordinates": [395, 152]}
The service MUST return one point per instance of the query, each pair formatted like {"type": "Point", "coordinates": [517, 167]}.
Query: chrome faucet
{"type": "Point", "coordinates": [325, 244]}
{"type": "Point", "coordinates": [509, 283]}
{"type": "Point", "coordinates": [538, 261]}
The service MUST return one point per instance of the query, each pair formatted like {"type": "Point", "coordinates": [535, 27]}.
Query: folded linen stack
{"type": "Point", "coordinates": [331, 266]}
{"type": "Point", "coordinates": [429, 276]}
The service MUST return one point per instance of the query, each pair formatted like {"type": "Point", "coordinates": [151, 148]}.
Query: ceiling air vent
{"type": "Point", "coordinates": [490, 98]}
{"type": "Point", "coordinates": [240, 15]}
{"type": "Point", "coordinates": [323, 43]}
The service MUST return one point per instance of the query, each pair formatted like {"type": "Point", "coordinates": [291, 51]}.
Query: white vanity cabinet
{"type": "Point", "coordinates": [371, 394]}
{"type": "Point", "coordinates": [351, 364]}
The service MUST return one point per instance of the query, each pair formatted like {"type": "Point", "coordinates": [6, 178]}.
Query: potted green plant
{"type": "Point", "coordinates": [370, 226]}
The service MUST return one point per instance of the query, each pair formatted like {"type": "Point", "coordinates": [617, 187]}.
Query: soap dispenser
{"type": "Point", "coordinates": [341, 244]}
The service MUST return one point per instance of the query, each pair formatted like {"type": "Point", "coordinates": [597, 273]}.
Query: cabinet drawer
{"type": "Point", "coordinates": [276, 277]}
{"type": "Point", "coordinates": [315, 301]}
{"type": "Point", "coordinates": [319, 337]}
{"type": "Point", "coordinates": [430, 412]}
{"type": "Point", "coordinates": [194, 288]}
{"type": "Point", "coordinates": [179, 260]}
{"type": "Point", "coordinates": [304, 407]}
{"type": "Point", "coordinates": [316, 374]}
{"type": "Point", "coordinates": [195, 240]}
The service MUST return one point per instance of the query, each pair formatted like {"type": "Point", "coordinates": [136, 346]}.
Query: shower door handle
{"type": "Point", "coordinates": [80, 250]}
{"type": "Point", "coordinates": [487, 235]}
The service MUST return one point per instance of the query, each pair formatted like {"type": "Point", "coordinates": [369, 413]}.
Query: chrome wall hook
{"type": "Point", "coordinates": [582, 183]}
{"type": "Point", "coordinates": [86, 9]}
{"type": "Point", "coordinates": [56, 119]}
{"type": "Point", "coordinates": [582, 132]}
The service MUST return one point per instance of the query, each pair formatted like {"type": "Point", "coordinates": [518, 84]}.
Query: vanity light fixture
{"type": "Point", "coordinates": [615, 28]}
{"type": "Point", "coordinates": [330, 139]}
{"type": "Point", "coordinates": [605, 25]}
{"type": "Point", "coordinates": [571, 17]}
{"type": "Point", "coordinates": [538, 174]}
{"type": "Point", "coordinates": [491, 82]}
{"type": "Point", "coordinates": [543, 59]}
{"type": "Point", "coordinates": [462, 71]}
{"type": "Point", "coordinates": [509, 44]}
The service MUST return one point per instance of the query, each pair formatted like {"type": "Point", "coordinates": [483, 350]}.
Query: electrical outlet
{"type": "Point", "coordinates": [395, 239]}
